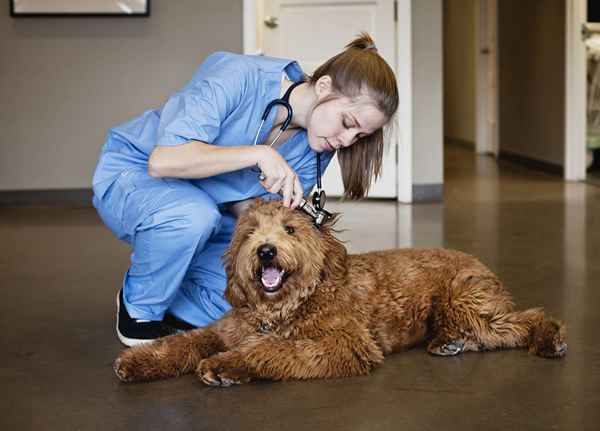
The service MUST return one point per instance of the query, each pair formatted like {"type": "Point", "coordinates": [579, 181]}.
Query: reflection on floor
{"type": "Point", "coordinates": [60, 269]}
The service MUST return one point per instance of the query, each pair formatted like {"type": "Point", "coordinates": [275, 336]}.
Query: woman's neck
{"type": "Point", "coordinates": [302, 99]}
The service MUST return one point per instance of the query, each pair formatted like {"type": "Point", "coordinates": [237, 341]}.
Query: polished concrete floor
{"type": "Point", "coordinates": [60, 269]}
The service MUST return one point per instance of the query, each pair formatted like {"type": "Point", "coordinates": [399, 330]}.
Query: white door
{"type": "Point", "coordinates": [311, 31]}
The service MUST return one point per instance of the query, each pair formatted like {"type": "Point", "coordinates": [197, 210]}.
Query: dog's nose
{"type": "Point", "coordinates": [266, 252]}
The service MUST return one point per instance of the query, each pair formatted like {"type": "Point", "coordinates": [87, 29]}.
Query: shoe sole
{"type": "Point", "coordinates": [129, 342]}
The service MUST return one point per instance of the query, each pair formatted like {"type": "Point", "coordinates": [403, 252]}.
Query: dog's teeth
{"type": "Point", "coordinates": [271, 277]}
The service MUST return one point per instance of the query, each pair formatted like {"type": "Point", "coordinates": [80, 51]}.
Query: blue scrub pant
{"type": "Point", "coordinates": [178, 235]}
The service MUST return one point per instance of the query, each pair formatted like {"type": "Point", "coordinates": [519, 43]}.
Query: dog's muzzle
{"type": "Point", "coordinates": [271, 275]}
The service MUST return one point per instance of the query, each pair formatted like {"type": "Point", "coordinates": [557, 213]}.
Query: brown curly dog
{"type": "Point", "coordinates": [303, 308]}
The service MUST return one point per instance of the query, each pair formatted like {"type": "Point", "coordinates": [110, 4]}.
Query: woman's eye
{"type": "Point", "coordinates": [289, 229]}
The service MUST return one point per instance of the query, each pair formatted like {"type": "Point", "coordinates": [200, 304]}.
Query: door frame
{"type": "Point", "coordinates": [575, 92]}
{"type": "Point", "coordinates": [250, 27]}
{"type": "Point", "coordinates": [403, 126]}
{"type": "Point", "coordinates": [487, 91]}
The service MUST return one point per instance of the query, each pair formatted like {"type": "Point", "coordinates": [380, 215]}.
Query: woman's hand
{"type": "Point", "coordinates": [279, 177]}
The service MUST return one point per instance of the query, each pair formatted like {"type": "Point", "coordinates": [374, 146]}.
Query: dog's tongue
{"type": "Point", "coordinates": [271, 277]}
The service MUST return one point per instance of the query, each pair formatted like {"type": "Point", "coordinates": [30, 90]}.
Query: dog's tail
{"type": "Point", "coordinates": [543, 336]}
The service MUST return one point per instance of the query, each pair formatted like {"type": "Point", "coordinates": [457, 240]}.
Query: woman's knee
{"type": "Point", "coordinates": [203, 220]}
{"type": "Point", "coordinates": [194, 220]}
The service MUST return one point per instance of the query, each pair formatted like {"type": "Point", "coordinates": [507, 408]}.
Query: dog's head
{"type": "Point", "coordinates": [277, 257]}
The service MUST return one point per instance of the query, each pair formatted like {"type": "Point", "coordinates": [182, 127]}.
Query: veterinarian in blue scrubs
{"type": "Point", "coordinates": [170, 181]}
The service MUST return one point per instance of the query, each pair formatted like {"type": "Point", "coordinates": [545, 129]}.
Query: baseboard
{"type": "Point", "coordinates": [83, 197]}
{"type": "Point", "coordinates": [539, 165]}
{"type": "Point", "coordinates": [428, 193]}
{"type": "Point", "coordinates": [460, 143]}
{"type": "Point", "coordinates": [70, 197]}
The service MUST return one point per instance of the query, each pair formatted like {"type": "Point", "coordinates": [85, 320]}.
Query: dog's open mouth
{"type": "Point", "coordinates": [272, 278]}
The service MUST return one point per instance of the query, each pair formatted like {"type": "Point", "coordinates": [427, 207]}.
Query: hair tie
{"type": "Point", "coordinates": [370, 46]}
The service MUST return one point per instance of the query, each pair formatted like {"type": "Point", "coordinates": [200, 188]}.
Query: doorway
{"type": "Point", "coordinates": [591, 34]}
{"type": "Point", "coordinates": [471, 75]}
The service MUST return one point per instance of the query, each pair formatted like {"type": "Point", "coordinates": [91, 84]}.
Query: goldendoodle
{"type": "Point", "coordinates": [304, 308]}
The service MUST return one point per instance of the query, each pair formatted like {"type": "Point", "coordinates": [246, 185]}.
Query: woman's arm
{"type": "Point", "coordinates": [196, 159]}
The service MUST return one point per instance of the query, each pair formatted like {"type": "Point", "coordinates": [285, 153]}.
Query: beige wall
{"type": "Point", "coordinates": [532, 78]}
{"type": "Point", "coordinates": [65, 81]}
{"type": "Point", "coordinates": [460, 22]}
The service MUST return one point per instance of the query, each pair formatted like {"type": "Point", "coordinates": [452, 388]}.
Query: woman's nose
{"type": "Point", "coordinates": [347, 138]}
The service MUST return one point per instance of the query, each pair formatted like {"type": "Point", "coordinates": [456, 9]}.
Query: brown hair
{"type": "Point", "coordinates": [359, 68]}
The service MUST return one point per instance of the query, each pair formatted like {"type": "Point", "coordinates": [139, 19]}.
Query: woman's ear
{"type": "Point", "coordinates": [323, 87]}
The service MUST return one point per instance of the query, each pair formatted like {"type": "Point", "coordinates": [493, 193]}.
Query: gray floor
{"type": "Point", "coordinates": [60, 269]}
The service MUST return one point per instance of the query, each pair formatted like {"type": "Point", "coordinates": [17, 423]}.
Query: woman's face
{"type": "Point", "coordinates": [342, 121]}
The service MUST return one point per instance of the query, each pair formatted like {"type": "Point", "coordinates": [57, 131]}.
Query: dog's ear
{"type": "Point", "coordinates": [233, 292]}
{"type": "Point", "coordinates": [334, 267]}
{"type": "Point", "coordinates": [331, 221]}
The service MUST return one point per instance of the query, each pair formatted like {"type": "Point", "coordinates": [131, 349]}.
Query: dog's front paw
{"type": "Point", "coordinates": [223, 369]}
{"type": "Point", "coordinates": [138, 364]}
{"type": "Point", "coordinates": [125, 367]}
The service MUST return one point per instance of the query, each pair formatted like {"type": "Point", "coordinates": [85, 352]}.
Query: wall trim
{"type": "Point", "coordinates": [463, 143]}
{"type": "Point", "coordinates": [539, 165]}
{"type": "Point", "coordinates": [422, 193]}
{"type": "Point", "coordinates": [249, 39]}
{"type": "Point", "coordinates": [83, 197]}
{"type": "Point", "coordinates": [69, 197]}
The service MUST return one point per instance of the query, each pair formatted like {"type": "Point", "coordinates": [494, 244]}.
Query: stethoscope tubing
{"type": "Point", "coordinates": [316, 210]}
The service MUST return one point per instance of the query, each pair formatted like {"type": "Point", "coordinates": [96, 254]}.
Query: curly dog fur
{"type": "Point", "coordinates": [303, 308]}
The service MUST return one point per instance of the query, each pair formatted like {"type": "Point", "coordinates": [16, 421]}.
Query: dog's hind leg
{"type": "Point", "coordinates": [476, 313]}
{"type": "Point", "coordinates": [167, 357]}
{"type": "Point", "coordinates": [543, 336]}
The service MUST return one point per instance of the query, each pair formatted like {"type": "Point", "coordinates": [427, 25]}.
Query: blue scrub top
{"type": "Point", "coordinates": [221, 105]}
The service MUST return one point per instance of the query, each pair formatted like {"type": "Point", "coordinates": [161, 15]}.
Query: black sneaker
{"type": "Point", "coordinates": [177, 324]}
{"type": "Point", "coordinates": [137, 331]}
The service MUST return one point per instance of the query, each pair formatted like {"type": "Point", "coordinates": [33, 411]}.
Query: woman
{"type": "Point", "coordinates": [171, 181]}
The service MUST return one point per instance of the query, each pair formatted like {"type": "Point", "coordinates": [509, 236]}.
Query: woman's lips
{"type": "Point", "coordinates": [328, 146]}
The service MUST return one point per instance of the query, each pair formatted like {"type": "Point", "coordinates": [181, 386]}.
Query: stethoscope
{"type": "Point", "coordinates": [316, 211]}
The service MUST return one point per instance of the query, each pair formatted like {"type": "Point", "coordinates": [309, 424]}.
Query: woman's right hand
{"type": "Point", "coordinates": [279, 177]}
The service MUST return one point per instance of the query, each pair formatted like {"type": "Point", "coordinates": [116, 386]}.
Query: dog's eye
{"type": "Point", "coordinates": [289, 229]}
